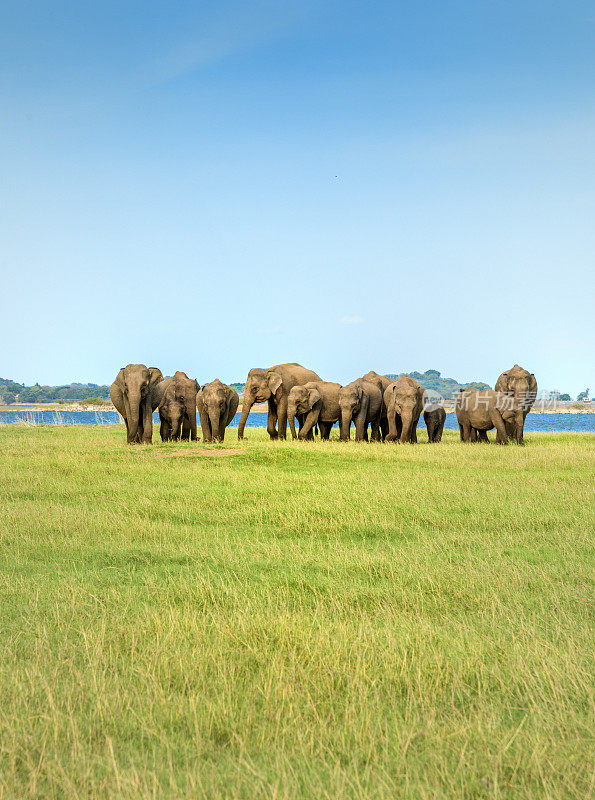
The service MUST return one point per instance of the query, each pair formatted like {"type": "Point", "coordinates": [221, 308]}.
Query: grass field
{"type": "Point", "coordinates": [295, 620]}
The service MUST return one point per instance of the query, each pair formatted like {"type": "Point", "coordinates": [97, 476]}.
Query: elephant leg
{"type": "Point", "coordinates": [361, 427]}
{"type": "Point", "coordinates": [482, 436]}
{"type": "Point", "coordinates": [282, 418]}
{"type": "Point", "coordinates": [185, 429]}
{"type": "Point", "coordinates": [325, 430]}
{"type": "Point", "coordinates": [272, 420]}
{"type": "Point", "coordinates": [376, 431]}
{"type": "Point", "coordinates": [392, 434]}
{"type": "Point", "coordinates": [309, 423]}
{"type": "Point", "coordinates": [163, 431]}
{"type": "Point", "coordinates": [498, 422]}
{"type": "Point", "coordinates": [467, 436]}
{"type": "Point", "coordinates": [384, 427]}
{"type": "Point", "coordinates": [205, 424]}
{"type": "Point", "coordinates": [462, 432]}
{"type": "Point", "coordinates": [413, 438]}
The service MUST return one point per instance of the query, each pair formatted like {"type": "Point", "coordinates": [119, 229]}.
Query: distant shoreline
{"type": "Point", "coordinates": [262, 408]}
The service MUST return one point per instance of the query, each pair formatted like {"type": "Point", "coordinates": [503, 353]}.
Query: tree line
{"type": "Point", "coordinates": [11, 392]}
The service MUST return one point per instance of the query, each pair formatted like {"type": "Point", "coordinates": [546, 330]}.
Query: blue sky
{"type": "Point", "coordinates": [215, 186]}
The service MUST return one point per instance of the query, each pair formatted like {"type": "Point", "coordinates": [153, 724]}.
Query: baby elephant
{"type": "Point", "coordinates": [434, 417]}
{"type": "Point", "coordinates": [217, 404]}
{"type": "Point", "coordinates": [314, 403]}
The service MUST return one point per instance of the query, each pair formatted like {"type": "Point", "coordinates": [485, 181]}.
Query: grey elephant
{"type": "Point", "coordinates": [217, 404]}
{"type": "Point", "coordinates": [383, 383]}
{"type": "Point", "coordinates": [478, 412]}
{"type": "Point", "coordinates": [361, 403]}
{"type": "Point", "coordinates": [177, 409]}
{"type": "Point", "coordinates": [434, 417]}
{"type": "Point", "coordinates": [136, 393]}
{"type": "Point", "coordinates": [314, 403]}
{"type": "Point", "coordinates": [273, 386]}
{"type": "Point", "coordinates": [520, 387]}
{"type": "Point", "coordinates": [404, 401]}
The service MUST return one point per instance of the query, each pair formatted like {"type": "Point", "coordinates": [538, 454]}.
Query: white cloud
{"type": "Point", "coordinates": [353, 319]}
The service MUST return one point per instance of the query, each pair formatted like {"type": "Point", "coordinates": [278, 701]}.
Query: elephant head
{"type": "Point", "coordinates": [522, 386]}
{"type": "Point", "coordinates": [261, 385]}
{"type": "Point", "coordinates": [351, 398]}
{"type": "Point", "coordinates": [302, 400]}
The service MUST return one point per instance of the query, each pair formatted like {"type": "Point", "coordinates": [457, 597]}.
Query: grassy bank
{"type": "Point", "coordinates": [294, 620]}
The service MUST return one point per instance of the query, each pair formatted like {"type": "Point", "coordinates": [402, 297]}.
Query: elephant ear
{"type": "Point", "coordinates": [274, 382]}
{"type": "Point", "coordinates": [158, 393]}
{"type": "Point", "coordinates": [502, 383]}
{"type": "Point", "coordinates": [314, 397]}
{"type": "Point", "coordinates": [155, 376]}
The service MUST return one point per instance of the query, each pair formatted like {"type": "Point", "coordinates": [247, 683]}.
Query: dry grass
{"type": "Point", "coordinates": [301, 621]}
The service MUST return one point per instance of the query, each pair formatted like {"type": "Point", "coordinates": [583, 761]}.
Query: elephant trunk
{"type": "Point", "coordinates": [133, 411]}
{"type": "Point", "coordinates": [215, 419]}
{"type": "Point", "coordinates": [345, 424]}
{"type": "Point", "coordinates": [246, 406]}
{"type": "Point", "coordinates": [407, 429]}
{"type": "Point", "coordinates": [175, 428]}
{"type": "Point", "coordinates": [291, 411]}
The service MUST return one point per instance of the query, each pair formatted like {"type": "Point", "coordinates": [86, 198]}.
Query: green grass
{"type": "Point", "coordinates": [295, 621]}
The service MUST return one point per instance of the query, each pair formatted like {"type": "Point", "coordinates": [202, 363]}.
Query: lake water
{"type": "Point", "coordinates": [534, 422]}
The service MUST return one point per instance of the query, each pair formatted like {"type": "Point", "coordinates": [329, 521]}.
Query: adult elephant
{"type": "Point", "coordinates": [273, 385]}
{"type": "Point", "coordinates": [361, 403]}
{"type": "Point", "coordinates": [314, 403]}
{"type": "Point", "coordinates": [136, 393]}
{"type": "Point", "coordinates": [217, 404]}
{"type": "Point", "coordinates": [404, 401]}
{"type": "Point", "coordinates": [177, 409]}
{"type": "Point", "coordinates": [520, 389]}
{"type": "Point", "coordinates": [478, 412]}
{"type": "Point", "coordinates": [382, 382]}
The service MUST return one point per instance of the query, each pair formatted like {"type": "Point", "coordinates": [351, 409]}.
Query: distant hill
{"type": "Point", "coordinates": [431, 379]}
{"type": "Point", "coordinates": [11, 392]}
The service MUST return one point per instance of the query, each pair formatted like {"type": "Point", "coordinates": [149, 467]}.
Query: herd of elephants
{"type": "Point", "coordinates": [390, 408]}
